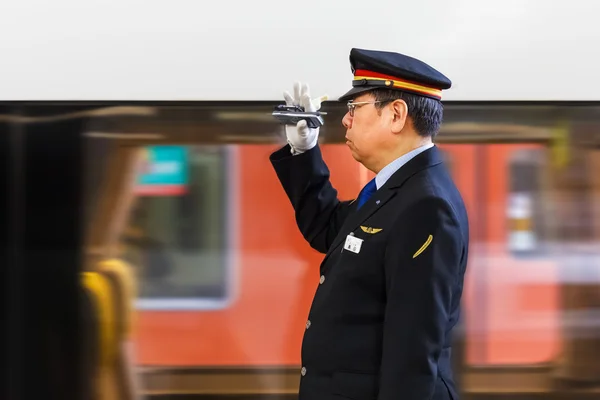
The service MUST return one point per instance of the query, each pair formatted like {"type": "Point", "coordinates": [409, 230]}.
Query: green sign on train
{"type": "Point", "coordinates": [163, 171]}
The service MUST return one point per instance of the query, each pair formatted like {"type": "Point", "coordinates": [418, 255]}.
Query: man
{"type": "Point", "coordinates": [392, 278]}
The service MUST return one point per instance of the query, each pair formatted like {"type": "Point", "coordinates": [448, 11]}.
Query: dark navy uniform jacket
{"type": "Point", "coordinates": [380, 323]}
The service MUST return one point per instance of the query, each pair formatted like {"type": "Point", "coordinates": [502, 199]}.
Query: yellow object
{"type": "Point", "coordinates": [100, 288]}
{"type": "Point", "coordinates": [127, 287]}
{"type": "Point", "coordinates": [425, 245]}
{"type": "Point", "coordinates": [560, 145]}
{"type": "Point", "coordinates": [368, 229]}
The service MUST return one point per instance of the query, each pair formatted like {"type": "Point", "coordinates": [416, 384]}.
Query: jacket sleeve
{"type": "Point", "coordinates": [305, 179]}
{"type": "Point", "coordinates": [422, 266]}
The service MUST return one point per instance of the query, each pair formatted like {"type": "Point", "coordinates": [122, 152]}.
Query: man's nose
{"type": "Point", "coordinates": [347, 121]}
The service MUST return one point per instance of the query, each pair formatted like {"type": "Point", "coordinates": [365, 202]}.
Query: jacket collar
{"type": "Point", "coordinates": [426, 159]}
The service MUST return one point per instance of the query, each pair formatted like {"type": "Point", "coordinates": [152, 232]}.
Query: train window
{"type": "Point", "coordinates": [525, 203]}
{"type": "Point", "coordinates": [178, 232]}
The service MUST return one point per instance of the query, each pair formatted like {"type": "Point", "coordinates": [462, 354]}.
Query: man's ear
{"type": "Point", "coordinates": [399, 115]}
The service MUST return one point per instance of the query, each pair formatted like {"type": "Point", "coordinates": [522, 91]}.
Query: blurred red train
{"type": "Point", "coordinates": [235, 277]}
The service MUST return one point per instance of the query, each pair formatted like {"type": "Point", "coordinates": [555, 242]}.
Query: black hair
{"type": "Point", "coordinates": [426, 113]}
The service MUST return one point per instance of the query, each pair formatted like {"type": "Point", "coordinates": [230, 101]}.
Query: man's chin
{"type": "Point", "coordinates": [355, 155]}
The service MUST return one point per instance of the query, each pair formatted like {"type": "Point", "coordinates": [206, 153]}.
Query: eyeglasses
{"type": "Point", "coordinates": [352, 106]}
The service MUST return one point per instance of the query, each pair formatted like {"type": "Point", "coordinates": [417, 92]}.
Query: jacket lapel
{"type": "Point", "coordinates": [426, 159]}
{"type": "Point", "coordinates": [355, 218]}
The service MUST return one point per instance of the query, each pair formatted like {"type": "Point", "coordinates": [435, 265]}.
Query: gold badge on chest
{"type": "Point", "coordinates": [368, 229]}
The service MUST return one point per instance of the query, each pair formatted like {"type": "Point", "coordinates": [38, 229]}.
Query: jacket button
{"type": "Point", "coordinates": [303, 371]}
{"type": "Point", "coordinates": [322, 279]}
{"type": "Point", "coordinates": [308, 324]}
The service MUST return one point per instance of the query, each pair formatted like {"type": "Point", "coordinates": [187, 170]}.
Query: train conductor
{"type": "Point", "coordinates": [391, 280]}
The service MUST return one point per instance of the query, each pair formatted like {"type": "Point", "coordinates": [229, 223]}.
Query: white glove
{"type": "Point", "coordinates": [300, 137]}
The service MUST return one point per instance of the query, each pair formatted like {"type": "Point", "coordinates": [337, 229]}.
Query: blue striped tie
{"type": "Point", "coordinates": [366, 193]}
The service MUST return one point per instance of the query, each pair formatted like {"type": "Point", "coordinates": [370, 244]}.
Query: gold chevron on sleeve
{"type": "Point", "coordinates": [422, 249]}
{"type": "Point", "coordinates": [368, 229]}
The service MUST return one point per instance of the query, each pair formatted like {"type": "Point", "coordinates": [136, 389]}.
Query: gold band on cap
{"type": "Point", "coordinates": [362, 74]}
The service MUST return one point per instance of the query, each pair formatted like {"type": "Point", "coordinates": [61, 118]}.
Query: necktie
{"type": "Point", "coordinates": [366, 193]}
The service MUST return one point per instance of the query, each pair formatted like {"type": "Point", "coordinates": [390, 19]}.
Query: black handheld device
{"type": "Point", "coordinates": [291, 115]}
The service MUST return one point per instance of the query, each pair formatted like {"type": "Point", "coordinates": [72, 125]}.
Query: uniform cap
{"type": "Point", "coordinates": [374, 69]}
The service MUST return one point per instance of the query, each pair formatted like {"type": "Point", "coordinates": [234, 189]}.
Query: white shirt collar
{"type": "Point", "coordinates": [389, 170]}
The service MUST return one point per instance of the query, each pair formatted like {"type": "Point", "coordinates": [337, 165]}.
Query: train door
{"type": "Point", "coordinates": [519, 273]}
{"type": "Point", "coordinates": [509, 278]}
{"type": "Point", "coordinates": [579, 258]}
{"type": "Point", "coordinates": [532, 289]}
{"type": "Point", "coordinates": [486, 188]}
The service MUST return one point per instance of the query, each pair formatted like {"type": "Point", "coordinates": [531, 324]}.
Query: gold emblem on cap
{"type": "Point", "coordinates": [388, 83]}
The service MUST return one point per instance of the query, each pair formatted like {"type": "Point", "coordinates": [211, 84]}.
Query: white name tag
{"type": "Point", "coordinates": [353, 244]}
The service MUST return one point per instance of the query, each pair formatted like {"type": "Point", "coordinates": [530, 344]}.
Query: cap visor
{"type": "Point", "coordinates": [353, 92]}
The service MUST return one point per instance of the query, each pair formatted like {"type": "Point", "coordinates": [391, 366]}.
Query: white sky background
{"type": "Point", "coordinates": [253, 50]}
